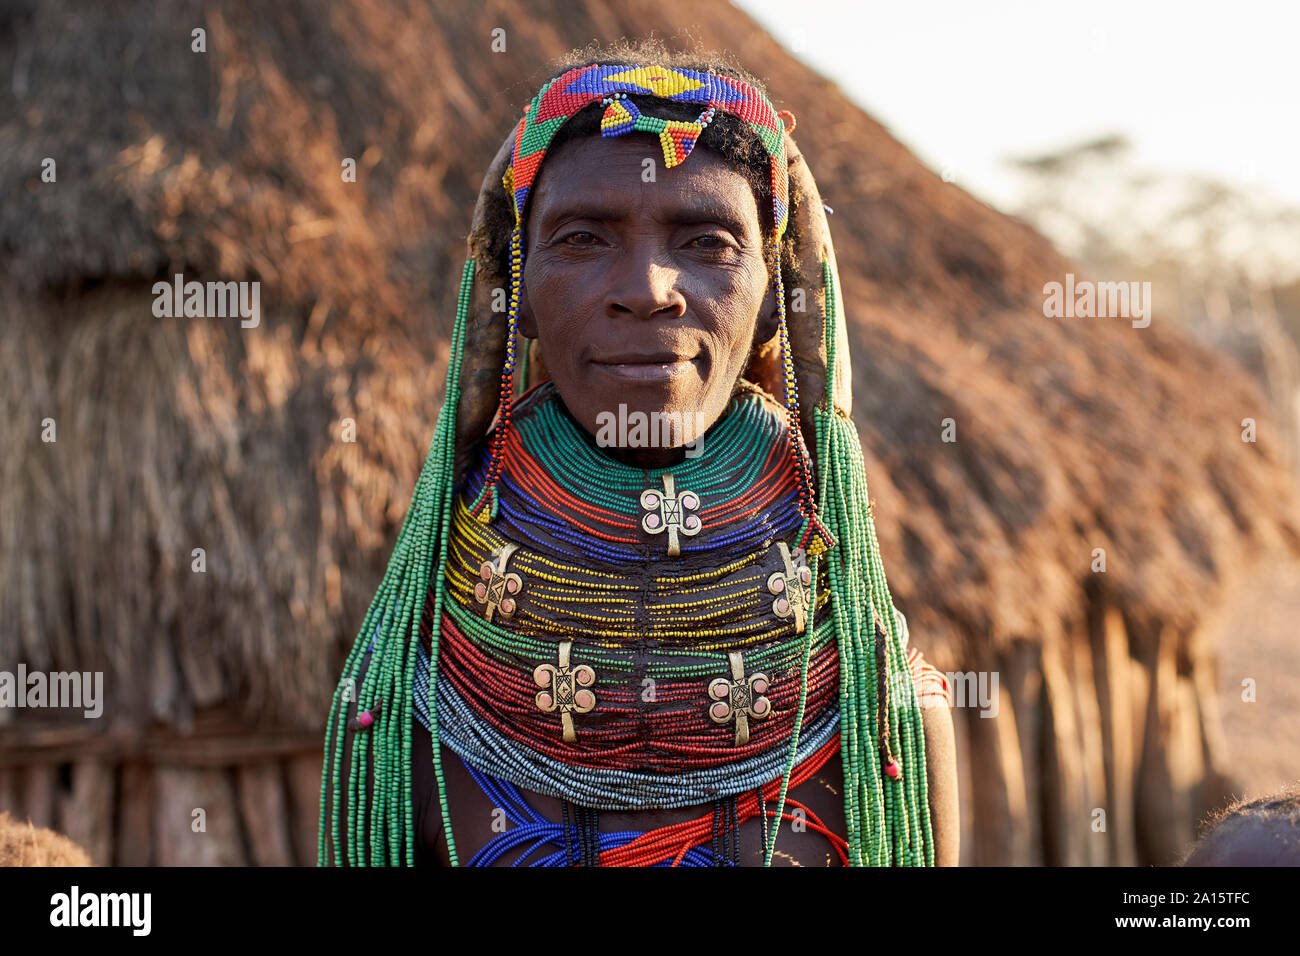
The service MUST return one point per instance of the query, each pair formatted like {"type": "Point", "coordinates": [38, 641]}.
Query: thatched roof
{"type": "Point", "coordinates": [175, 434]}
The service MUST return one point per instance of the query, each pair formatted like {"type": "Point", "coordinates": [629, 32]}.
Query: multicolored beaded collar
{"type": "Point", "coordinates": [586, 656]}
{"type": "Point", "coordinates": [568, 677]}
{"type": "Point", "coordinates": [530, 838]}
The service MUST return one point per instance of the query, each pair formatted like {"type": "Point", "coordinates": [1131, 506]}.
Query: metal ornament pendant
{"type": "Point", "coordinates": [497, 585]}
{"type": "Point", "coordinates": [565, 689]}
{"type": "Point", "coordinates": [739, 698]}
{"type": "Point", "coordinates": [792, 587]}
{"type": "Point", "coordinates": [667, 511]}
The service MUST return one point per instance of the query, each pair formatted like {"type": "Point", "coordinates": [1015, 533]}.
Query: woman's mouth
{"type": "Point", "coordinates": [652, 369]}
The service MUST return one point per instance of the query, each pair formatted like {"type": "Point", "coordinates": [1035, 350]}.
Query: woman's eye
{"type": "Point", "coordinates": [713, 242]}
{"type": "Point", "coordinates": [568, 239]}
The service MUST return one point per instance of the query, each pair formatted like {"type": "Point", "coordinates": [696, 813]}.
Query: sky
{"type": "Point", "coordinates": [1197, 87]}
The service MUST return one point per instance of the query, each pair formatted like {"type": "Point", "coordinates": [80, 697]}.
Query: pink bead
{"type": "Point", "coordinates": [652, 521]}
{"type": "Point", "coordinates": [760, 706]}
{"type": "Point", "coordinates": [892, 769]}
{"type": "Point", "coordinates": [584, 699]}
{"type": "Point", "coordinates": [545, 701]}
{"type": "Point", "coordinates": [365, 718]}
{"type": "Point", "coordinates": [480, 592]}
{"type": "Point", "coordinates": [720, 711]}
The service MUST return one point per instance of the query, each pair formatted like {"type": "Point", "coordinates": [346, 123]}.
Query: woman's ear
{"type": "Point", "coordinates": [768, 319]}
{"type": "Point", "coordinates": [525, 320]}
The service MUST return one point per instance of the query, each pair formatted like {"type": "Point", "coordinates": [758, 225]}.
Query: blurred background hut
{"type": "Point", "coordinates": [204, 532]}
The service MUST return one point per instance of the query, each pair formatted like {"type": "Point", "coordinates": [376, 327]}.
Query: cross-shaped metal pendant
{"type": "Point", "coordinates": [497, 585]}
{"type": "Point", "coordinates": [792, 587]}
{"type": "Point", "coordinates": [667, 510]}
{"type": "Point", "coordinates": [564, 688]}
{"type": "Point", "coordinates": [739, 698]}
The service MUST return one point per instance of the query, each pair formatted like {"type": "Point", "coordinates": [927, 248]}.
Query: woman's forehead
{"type": "Point", "coordinates": [595, 178]}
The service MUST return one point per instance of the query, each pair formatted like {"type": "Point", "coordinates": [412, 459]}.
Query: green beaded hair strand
{"type": "Point", "coordinates": [888, 819]}
{"type": "Point", "coordinates": [393, 623]}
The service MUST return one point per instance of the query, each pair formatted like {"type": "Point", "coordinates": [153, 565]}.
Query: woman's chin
{"type": "Point", "coordinates": [646, 419]}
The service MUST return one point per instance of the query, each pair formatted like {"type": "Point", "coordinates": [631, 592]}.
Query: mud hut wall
{"type": "Point", "coordinates": [133, 812]}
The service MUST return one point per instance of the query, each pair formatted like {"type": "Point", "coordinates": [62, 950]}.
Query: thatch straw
{"type": "Point", "coordinates": [22, 844]}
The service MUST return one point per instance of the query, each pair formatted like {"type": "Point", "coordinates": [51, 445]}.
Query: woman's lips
{"type": "Point", "coordinates": [642, 370]}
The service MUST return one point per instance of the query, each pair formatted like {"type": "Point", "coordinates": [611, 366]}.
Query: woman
{"type": "Point", "coordinates": [636, 614]}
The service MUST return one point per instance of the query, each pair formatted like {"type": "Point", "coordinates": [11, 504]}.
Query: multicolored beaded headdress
{"type": "Point", "coordinates": [564, 96]}
{"type": "Point", "coordinates": [556, 103]}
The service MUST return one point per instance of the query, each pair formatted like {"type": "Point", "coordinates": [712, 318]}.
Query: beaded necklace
{"type": "Point", "coordinates": [592, 506]}
{"type": "Point", "coordinates": [484, 747]}
{"type": "Point", "coordinates": [679, 844]}
{"type": "Point", "coordinates": [675, 628]}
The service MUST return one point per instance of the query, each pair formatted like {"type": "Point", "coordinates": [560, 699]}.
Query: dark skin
{"type": "Point", "coordinates": [652, 294]}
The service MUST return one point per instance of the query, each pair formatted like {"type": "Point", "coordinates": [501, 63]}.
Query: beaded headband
{"type": "Point", "coordinates": [564, 96]}
{"type": "Point", "coordinates": [557, 102]}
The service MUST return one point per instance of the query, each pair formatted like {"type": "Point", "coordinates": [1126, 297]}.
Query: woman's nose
{"type": "Point", "coordinates": [645, 286]}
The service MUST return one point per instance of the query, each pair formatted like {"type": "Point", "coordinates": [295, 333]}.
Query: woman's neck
{"type": "Point", "coordinates": [650, 458]}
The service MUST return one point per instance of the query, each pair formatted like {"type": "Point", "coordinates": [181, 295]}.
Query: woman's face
{"type": "Point", "coordinates": [644, 294]}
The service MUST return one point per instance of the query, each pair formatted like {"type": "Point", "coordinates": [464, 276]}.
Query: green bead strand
{"type": "Point", "coordinates": [380, 825]}
{"type": "Point", "coordinates": [887, 820]}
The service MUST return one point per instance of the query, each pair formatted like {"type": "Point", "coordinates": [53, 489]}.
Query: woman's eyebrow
{"type": "Point", "coordinates": [706, 211]}
{"type": "Point", "coordinates": [700, 210]}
